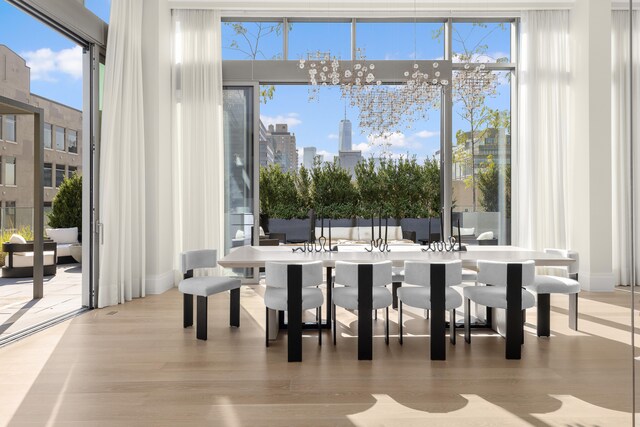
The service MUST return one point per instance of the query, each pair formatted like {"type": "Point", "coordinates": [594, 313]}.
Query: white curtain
{"type": "Point", "coordinates": [620, 155]}
{"type": "Point", "coordinates": [122, 167]}
{"type": "Point", "coordinates": [540, 159]}
{"type": "Point", "coordinates": [198, 163]}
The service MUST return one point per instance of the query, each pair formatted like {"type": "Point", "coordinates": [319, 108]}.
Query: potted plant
{"type": "Point", "coordinates": [66, 211]}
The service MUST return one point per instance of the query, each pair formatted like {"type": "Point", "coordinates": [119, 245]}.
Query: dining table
{"type": "Point", "coordinates": [258, 256]}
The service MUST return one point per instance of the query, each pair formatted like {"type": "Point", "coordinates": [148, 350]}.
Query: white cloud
{"type": "Point", "coordinates": [397, 139]}
{"type": "Point", "coordinates": [488, 57]}
{"type": "Point", "coordinates": [363, 146]}
{"type": "Point", "coordinates": [46, 64]}
{"type": "Point", "coordinates": [427, 134]}
{"type": "Point", "coordinates": [332, 136]}
{"type": "Point", "coordinates": [327, 156]}
{"type": "Point", "coordinates": [290, 119]}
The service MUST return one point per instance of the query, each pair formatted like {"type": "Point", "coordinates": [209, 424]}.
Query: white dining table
{"type": "Point", "coordinates": [257, 256]}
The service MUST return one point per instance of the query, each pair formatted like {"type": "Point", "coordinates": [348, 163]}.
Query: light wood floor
{"type": "Point", "coordinates": [134, 364]}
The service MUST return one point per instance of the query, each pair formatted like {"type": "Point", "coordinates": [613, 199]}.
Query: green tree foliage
{"type": "Point", "coordinates": [67, 204]}
{"type": "Point", "coordinates": [370, 187]}
{"type": "Point", "coordinates": [489, 179]}
{"type": "Point", "coordinates": [303, 187]}
{"type": "Point", "coordinates": [333, 194]}
{"type": "Point", "coordinates": [278, 194]}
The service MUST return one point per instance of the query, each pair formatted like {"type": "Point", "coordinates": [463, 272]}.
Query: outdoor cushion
{"type": "Point", "coordinates": [393, 232]}
{"type": "Point", "coordinates": [487, 235]}
{"type": "Point", "coordinates": [25, 259]}
{"type": "Point", "coordinates": [64, 249]}
{"type": "Point", "coordinates": [464, 231]}
{"type": "Point", "coordinates": [63, 235]}
{"type": "Point", "coordinates": [16, 238]}
{"type": "Point", "coordinates": [337, 233]}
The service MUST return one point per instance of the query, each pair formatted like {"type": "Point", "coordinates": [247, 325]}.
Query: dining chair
{"type": "Point", "coordinates": [203, 287]}
{"type": "Point", "coordinates": [545, 285]}
{"type": "Point", "coordinates": [504, 288]}
{"type": "Point", "coordinates": [292, 287]}
{"type": "Point", "coordinates": [427, 285]}
{"type": "Point", "coordinates": [362, 287]}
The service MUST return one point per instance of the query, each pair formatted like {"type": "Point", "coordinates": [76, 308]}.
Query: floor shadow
{"type": "Point", "coordinates": [17, 315]}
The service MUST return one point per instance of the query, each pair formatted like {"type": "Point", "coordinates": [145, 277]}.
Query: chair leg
{"type": "Point", "coordinates": [266, 335]}
{"type": "Point", "coordinates": [201, 327]}
{"type": "Point", "coordinates": [427, 314]}
{"type": "Point", "coordinates": [386, 326]}
{"type": "Point", "coordinates": [543, 328]}
{"type": "Point", "coordinates": [375, 314]}
{"type": "Point", "coordinates": [319, 319]}
{"type": "Point", "coordinates": [335, 324]}
{"type": "Point", "coordinates": [524, 320]}
{"type": "Point", "coordinates": [452, 326]}
{"type": "Point", "coordinates": [573, 311]}
{"type": "Point", "coordinates": [400, 321]}
{"type": "Point", "coordinates": [467, 320]}
{"type": "Point", "coordinates": [187, 310]}
{"type": "Point", "coordinates": [234, 308]}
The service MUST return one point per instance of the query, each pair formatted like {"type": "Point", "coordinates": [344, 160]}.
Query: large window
{"type": "Point", "coordinates": [400, 40]}
{"type": "Point", "coordinates": [9, 170]}
{"type": "Point", "coordinates": [252, 40]}
{"type": "Point", "coordinates": [59, 138]}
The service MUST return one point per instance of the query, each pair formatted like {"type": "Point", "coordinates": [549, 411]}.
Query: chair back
{"type": "Point", "coordinates": [347, 273]}
{"type": "Point", "coordinates": [495, 273]}
{"type": "Point", "coordinates": [574, 267]}
{"type": "Point", "coordinates": [419, 272]}
{"type": "Point", "coordinates": [204, 258]}
{"type": "Point", "coordinates": [277, 273]}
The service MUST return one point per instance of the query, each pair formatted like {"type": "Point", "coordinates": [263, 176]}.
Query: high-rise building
{"type": "Point", "coordinates": [267, 154]}
{"type": "Point", "coordinates": [349, 159]}
{"type": "Point", "coordinates": [62, 143]}
{"type": "Point", "coordinates": [284, 144]}
{"type": "Point", "coordinates": [345, 135]}
{"type": "Point", "coordinates": [309, 157]}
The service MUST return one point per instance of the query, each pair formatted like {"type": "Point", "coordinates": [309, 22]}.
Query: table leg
{"type": "Point", "coordinates": [515, 329]}
{"type": "Point", "coordinates": [365, 305]}
{"type": "Point", "coordinates": [438, 327]}
{"type": "Point", "coordinates": [294, 309]}
{"type": "Point", "coordinates": [329, 294]}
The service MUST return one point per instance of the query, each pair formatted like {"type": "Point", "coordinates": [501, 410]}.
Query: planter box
{"type": "Point", "coordinates": [297, 230]}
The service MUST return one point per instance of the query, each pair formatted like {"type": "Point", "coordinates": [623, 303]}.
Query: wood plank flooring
{"type": "Point", "coordinates": [134, 364]}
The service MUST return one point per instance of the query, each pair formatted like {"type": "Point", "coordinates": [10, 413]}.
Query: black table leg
{"type": "Point", "coordinates": [294, 308]}
{"type": "Point", "coordinates": [187, 308]}
{"type": "Point", "coordinates": [365, 305]}
{"type": "Point", "coordinates": [394, 294]}
{"type": "Point", "coordinates": [329, 294]}
{"type": "Point", "coordinates": [514, 312]}
{"type": "Point", "coordinates": [438, 327]}
{"type": "Point", "coordinates": [544, 315]}
{"type": "Point", "coordinates": [201, 326]}
{"type": "Point", "coordinates": [234, 308]}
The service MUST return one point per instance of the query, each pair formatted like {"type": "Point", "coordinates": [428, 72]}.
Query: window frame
{"type": "Point", "coordinates": [5, 171]}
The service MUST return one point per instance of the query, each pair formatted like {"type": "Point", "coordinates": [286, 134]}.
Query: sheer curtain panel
{"type": "Point", "coordinates": [198, 157]}
{"type": "Point", "coordinates": [122, 184]}
{"type": "Point", "coordinates": [540, 160]}
{"type": "Point", "coordinates": [620, 145]}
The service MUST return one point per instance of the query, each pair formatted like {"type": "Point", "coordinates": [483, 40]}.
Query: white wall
{"type": "Point", "coordinates": [156, 64]}
{"type": "Point", "coordinates": [590, 150]}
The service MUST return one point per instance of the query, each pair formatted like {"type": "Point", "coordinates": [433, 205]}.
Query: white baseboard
{"type": "Point", "coordinates": [597, 282]}
{"type": "Point", "coordinates": [160, 283]}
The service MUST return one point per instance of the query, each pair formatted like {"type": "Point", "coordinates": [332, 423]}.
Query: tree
{"type": "Point", "coordinates": [488, 183]}
{"type": "Point", "coordinates": [278, 195]}
{"type": "Point", "coordinates": [249, 36]}
{"type": "Point", "coordinates": [66, 211]}
{"type": "Point", "coordinates": [333, 194]}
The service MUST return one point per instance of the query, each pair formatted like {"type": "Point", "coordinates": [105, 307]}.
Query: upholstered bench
{"type": "Point", "coordinates": [204, 286]}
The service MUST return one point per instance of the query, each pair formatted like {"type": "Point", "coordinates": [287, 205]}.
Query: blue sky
{"type": "Point", "coordinates": [55, 61]}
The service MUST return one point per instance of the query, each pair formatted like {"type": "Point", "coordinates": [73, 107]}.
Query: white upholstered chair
{"type": "Point", "coordinates": [276, 296]}
{"type": "Point", "coordinates": [544, 285]}
{"type": "Point", "coordinates": [345, 294]}
{"type": "Point", "coordinates": [204, 286]}
{"type": "Point", "coordinates": [416, 290]}
{"type": "Point", "coordinates": [505, 289]}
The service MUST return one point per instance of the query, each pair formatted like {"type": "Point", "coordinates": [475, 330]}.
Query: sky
{"type": "Point", "coordinates": [316, 123]}
{"type": "Point", "coordinates": [55, 61]}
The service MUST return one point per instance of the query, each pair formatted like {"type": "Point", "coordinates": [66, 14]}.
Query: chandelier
{"type": "Point", "coordinates": [382, 109]}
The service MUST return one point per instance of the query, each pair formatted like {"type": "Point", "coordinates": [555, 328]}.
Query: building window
{"type": "Point", "coordinates": [60, 174]}
{"type": "Point", "coordinates": [48, 175]}
{"type": "Point", "coordinates": [59, 138]}
{"type": "Point", "coordinates": [9, 215]}
{"type": "Point", "coordinates": [9, 170]}
{"type": "Point", "coordinates": [72, 140]}
{"type": "Point", "coordinates": [47, 136]}
{"type": "Point", "coordinates": [9, 128]}
{"type": "Point", "coordinates": [72, 170]}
